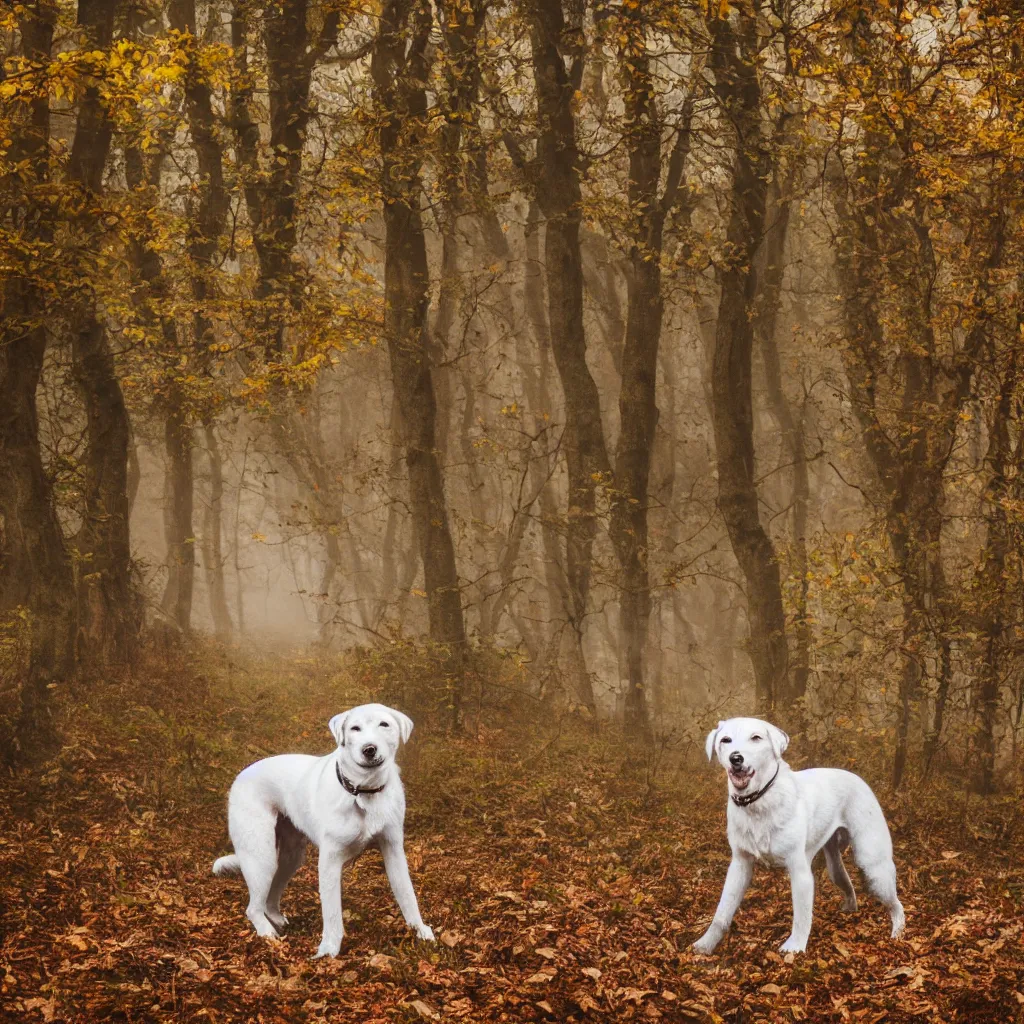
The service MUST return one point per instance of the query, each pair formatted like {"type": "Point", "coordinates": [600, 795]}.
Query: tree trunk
{"type": "Point", "coordinates": [107, 607]}
{"type": "Point", "coordinates": [237, 553]}
{"type": "Point", "coordinates": [734, 63]}
{"type": "Point", "coordinates": [325, 614]}
{"type": "Point", "coordinates": [271, 197]}
{"type": "Point", "coordinates": [35, 570]}
{"type": "Point", "coordinates": [178, 531]}
{"type": "Point", "coordinates": [210, 216]}
{"type": "Point", "coordinates": [178, 441]}
{"type": "Point", "coordinates": [915, 532]}
{"type": "Point", "coordinates": [992, 590]}
{"type": "Point", "coordinates": [773, 271]}
{"type": "Point", "coordinates": [108, 616]}
{"type": "Point", "coordinates": [559, 198]}
{"type": "Point", "coordinates": [541, 405]}
{"type": "Point", "coordinates": [134, 474]}
{"type": "Point", "coordinates": [213, 540]}
{"type": "Point", "coordinates": [638, 411]}
{"type": "Point", "coordinates": [399, 77]}
{"type": "Point", "coordinates": [389, 552]}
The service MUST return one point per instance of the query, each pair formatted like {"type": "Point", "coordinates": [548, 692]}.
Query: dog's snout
{"type": "Point", "coordinates": [736, 759]}
{"type": "Point", "coordinates": [369, 751]}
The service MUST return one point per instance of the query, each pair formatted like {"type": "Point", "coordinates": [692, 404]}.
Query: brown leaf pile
{"type": "Point", "coordinates": [560, 888]}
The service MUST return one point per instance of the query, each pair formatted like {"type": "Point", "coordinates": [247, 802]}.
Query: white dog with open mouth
{"type": "Point", "coordinates": [344, 802]}
{"type": "Point", "coordinates": [783, 818]}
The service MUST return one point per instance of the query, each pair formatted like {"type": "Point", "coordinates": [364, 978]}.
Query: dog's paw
{"type": "Point", "coordinates": [278, 920]}
{"type": "Point", "coordinates": [265, 929]}
{"type": "Point", "coordinates": [792, 945]}
{"type": "Point", "coordinates": [424, 932]}
{"type": "Point", "coordinates": [705, 944]}
{"type": "Point", "coordinates": [327, 948]}
{"type": "Point", "coordinates": [849, 906]}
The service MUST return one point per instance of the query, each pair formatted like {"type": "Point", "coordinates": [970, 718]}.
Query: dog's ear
{"type": "Point", "coordinates": [778, 739]}
{"type": "Point", "coordinates": [404, 725]}
{"type": "Point", "coordinates": [709, 743]}
{"type": "Point", "coordinates": [337, 727]}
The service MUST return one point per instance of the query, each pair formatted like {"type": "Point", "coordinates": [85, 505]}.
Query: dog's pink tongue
{"type": "Point", "coordinates": [740, 781]}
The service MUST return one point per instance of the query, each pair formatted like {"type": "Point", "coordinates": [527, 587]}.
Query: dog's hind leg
{"type": "Point", "coordinates": [837, 869]}
{"type": "Point", "coordinates": [291, 852]}
{"type": "Point", "coordinates": [252, 833]}
{"type": "Point", "coordinates": [880, 873]}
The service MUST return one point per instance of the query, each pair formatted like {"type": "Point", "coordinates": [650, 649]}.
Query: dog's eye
{"type": "Point", "coordinates": [355, 728]}
{"type": "Point", "coordinates": [726, 739]}
{"type": "Point", "coordinates": [754, 739]}
{"type": "Point", "coordinates": [384, 725]}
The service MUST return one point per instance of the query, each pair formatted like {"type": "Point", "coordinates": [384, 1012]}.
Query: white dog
{"type": "Point", "coordinates": [782, 817]}
{"type": "Point", "coordinates": [344, 802]}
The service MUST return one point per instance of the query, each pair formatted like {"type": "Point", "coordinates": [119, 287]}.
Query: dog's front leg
{"type": "Point", "coordinates": [330, 865]}
{"type": "Point", "coordinates": [801, 878]}
{"type": "Point", "coordinates": [397, 868]}
{"type": "Point", "coordinates": [741, 869]}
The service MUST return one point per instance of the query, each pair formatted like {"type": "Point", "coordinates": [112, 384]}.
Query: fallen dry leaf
{"type": "Point", "coordinates": [623, 886]}
{"type": "Point", "coordinates": [634, 995]}
{"type": "Point", "coordinates": [47, 1007]}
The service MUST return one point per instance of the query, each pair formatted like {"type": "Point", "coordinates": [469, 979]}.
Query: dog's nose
{"type": "Point", "coordinates": [369, 751]}
{"type": "Point", "coordinates": [736, 759]}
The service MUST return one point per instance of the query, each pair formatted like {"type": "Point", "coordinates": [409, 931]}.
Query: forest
{"type": "Point", "coordinates": [569, 374]}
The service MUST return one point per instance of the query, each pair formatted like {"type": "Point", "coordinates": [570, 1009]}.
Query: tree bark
{"type": "Point", "coordinates": [210, 215]}
{"type": "Point", "coordinates": [213, 539]}
{"type": "Point", "coordinates": [35, 570]}
{"type": "Point", "coordinates": [272, 197]}
{"type": "Point", "coordinates": [541, 405]}
{"type": "Point", "coordinates": [734, 64]}
{"type": "Point", "coordinates": [399, 71]}
{"type": "Point", "coordinates": [178, 531]}
{"type": "Point", "coordinates": [994, 602]}
{"type": "Point", "coordinates": [558, 195]}
{"type": "Point", "coordinates": [109, 615]}
{"type": "Point", "coordinates": [638, 411]}
{"type": "Point", "coordinates": [108, 612]}
{"type": "Point", "coordinates": [791, 428]}
{"type": "Point", "coordinates": [178, 484]}
{"type": "Point", "coordinates": [206, 226]}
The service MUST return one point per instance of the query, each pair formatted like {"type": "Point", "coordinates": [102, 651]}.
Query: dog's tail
{"type": "Point", "coordinates": [224, 866]}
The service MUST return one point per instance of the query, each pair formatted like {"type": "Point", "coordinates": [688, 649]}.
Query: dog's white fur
{"type": "Point", "coordinates": [279, 803]}
{"type": "Point", "coordinates": [800, 814]}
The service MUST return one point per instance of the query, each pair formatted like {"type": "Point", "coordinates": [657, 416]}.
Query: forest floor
{"type": "Point", "coordinates": [562, 883]}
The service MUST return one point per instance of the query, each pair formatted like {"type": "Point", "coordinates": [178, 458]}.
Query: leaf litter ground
{"type": "Point", "coordinates": [563, 883]}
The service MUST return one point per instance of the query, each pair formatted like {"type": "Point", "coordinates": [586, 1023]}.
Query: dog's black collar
{"type": "Point", "coordinates": [349, 787]}
{"type": "Point", "coordinates": [748, 798]}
